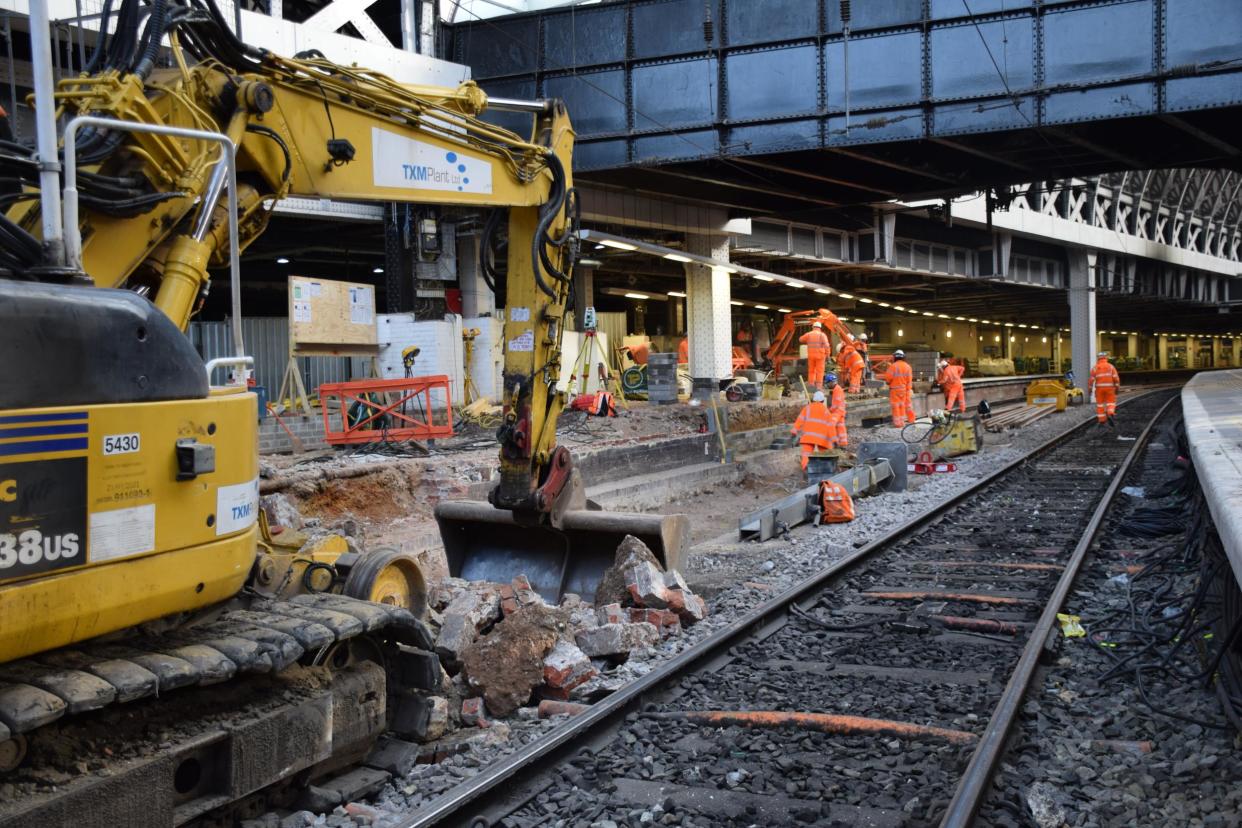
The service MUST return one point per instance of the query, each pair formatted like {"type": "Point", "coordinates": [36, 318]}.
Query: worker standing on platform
{"type": "Point", "coordinates": [1105, 382]}
{"type": "Point", "coordinates": [683, 350]}
{"type": "Point", "coordinates": [850, 363]}
{"type": "Point", "coordinates": [950, 379]}
{"type": "Point", "coordinates": [818, 348]}
{"type": "Point", "coordinates": [900, 381]}
{"type": "Point", "coordinates": [836, 412]}
{"type": "Point", "coordinates": [813, 428]}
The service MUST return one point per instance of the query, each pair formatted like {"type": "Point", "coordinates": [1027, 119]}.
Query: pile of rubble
{"type": "Point", "coordinates": [508, 651]}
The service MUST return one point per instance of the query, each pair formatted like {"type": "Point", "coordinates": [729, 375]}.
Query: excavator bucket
{"type": "Point", "coordinates": [484, 543]}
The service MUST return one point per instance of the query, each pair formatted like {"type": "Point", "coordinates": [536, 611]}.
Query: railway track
{"type": "Point", "coordinates": [879, 692]}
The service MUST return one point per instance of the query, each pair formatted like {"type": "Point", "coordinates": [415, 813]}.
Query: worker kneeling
{"type": "Point", "coordinates": [835, 503]}
{"type": "Point", "coordinates": [851, 364]}
{"type": "Point", "coordinates": [1105, 381]}
{"type": "Point", "coordinates": [814, 428]}
{"type": "Point", "coordinates": [950, 379]}
{"type": "Point", "coordinates": [818, 347]}
{"type": "Point", "coordinates": [900, 381]}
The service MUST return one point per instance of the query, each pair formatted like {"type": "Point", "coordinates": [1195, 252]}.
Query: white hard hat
{"type": "Point", "coordinates": [863, 337]}
{"type": "Point", "coordinates": [818, 396]}
{"type": "Point", "coordinates": [1102, 354]}
{"type": "Point", "coordinates": [899, 354]}
{"type": "Point", "coordinates": [944, 363]}
{"type": "Point", "coordinates": [816, 325]}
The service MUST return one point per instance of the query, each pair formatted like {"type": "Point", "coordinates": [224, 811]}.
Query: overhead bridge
{"type": "Point", "coordinates": [823, 104]}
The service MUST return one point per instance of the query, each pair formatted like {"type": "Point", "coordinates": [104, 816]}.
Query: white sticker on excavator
{"type": "Point", "coordinates": [398, 161]}
{"type": "Point", "coordinates": [525, 341]}
{"type": "Point", "coordinates": [237, 506]}
{"type": "Point", "coordinates": [119, 533]}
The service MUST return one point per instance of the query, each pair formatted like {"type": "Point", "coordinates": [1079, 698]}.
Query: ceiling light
{"type": "Point", "coordinates": [1044, 339]}
{"type": "Point", "coordinates": [637, 296]}
{"type": "Point", "coordinates": [926, 313]}
{"type": "Point", "coordinates": [865, 300]}
{"type": "Point", "coordinates": [943, 315]}
{"type": "Point", "coordinates": [762, 307]}
{"type": "Point", "coordinates": [282, 260]}
{"type": "Point", "coordinates": [599, 247]}
{"type": "Point", "coordinates": [898, 307]}
{"type": "Point", "coordinates": [997, 338]}
{"type": "Point", "coordinates": [847, 296]}
{"type": "Point", "coordinates": [1008, 324]}
{"type": "Point", "coordinates": [617, 244]}
{"type": "Point", "coordinates": [1013, 339]}
{"type": "Point", "coordinates": [948, 334]}
{"type": "Point", "coordinates": [802, 285]}
{"type": "Point", "coordinates": [972, 319]}
{"type": "Point", "coordinates": [677, 257]}
{"type": "Point", "coordinates": [377, 270]}
{"type": "Point", "coordinates": [677, 293]}
{"type": "Point", "coordinates": [589, 262]}
{"type": "Point", "coordinates": [885, 305]}
{"type": "Point", "coordinates": [735, 303]}
{"type": "Point", "coordinates": [763, 278]}
{"type": "Point", "coordinates": [785, 310]}
{"type": "Point", "coordinates": [900, 332]}
{"type": "Point", "coordinates": [824, 291]}
{"type": "Point", "coordinates": [1026, 339]}
{"type": "Point", "coordinates": [960, 318]}
{"type": "Point", "coordinates": [856, 319]}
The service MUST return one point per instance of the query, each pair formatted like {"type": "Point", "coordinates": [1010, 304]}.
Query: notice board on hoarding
{"type": "Point", "coordinates": [330, 318]}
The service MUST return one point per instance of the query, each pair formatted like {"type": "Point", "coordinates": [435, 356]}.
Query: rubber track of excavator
{"type": "Point", "coordinates": [266, 636]}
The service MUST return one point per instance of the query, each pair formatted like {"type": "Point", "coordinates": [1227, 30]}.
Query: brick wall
{"type": "Point", "coordinates": [275, 440]}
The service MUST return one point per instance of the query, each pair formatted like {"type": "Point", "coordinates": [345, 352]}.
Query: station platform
{"type": "Point", "coordinates": [1212, 404]}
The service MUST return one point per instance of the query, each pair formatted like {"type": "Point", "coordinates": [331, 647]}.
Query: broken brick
{"type": "Point", "coordinates": [566, 666]}
{"type": "Point", "coordinates": [673, 580]}
{"type": "Point", "coordinates": [548, 708]}
{"type": "Point", "coordinates": [689, 607]}
{"type": "Point", "coordinates": [645, 583]}
{"type": "Point", "coordinates": [612, 585]}
{"type": "Point", "coordinates": [523, 592]}
{"type": "Point", "coordinates": [611, 614]}
{"type": "Point", "coordinates": [474, 713]}
{"type": "Point", "coordinates": [471, 612]}
{"type": "Point", "coordinates": [617, 639]}
{"type": "Point", "coordinates": [666, 621]}
{"type": "Point", "coordinates": [508, 600]}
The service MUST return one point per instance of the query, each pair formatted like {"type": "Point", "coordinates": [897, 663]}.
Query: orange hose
{"type": "Point", "coordinates": [551, 707]}
{"type": "Point", "coordinates": [822, 723]}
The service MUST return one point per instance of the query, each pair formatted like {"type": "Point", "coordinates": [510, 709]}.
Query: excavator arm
{"type": "Point", "coordinates": [153, 217]}
{"type": "Point", "coordinates": [784, 347]}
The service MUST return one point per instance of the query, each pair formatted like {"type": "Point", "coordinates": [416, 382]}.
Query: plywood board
{"type": "Point", "coordinates": [330, 318]}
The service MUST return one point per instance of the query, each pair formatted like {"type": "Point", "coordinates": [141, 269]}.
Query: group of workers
{"type": "Point", "coordinates": [851, 358]}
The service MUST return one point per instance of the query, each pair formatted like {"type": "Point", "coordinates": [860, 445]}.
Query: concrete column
{"type": "Point", "coordinates": [1190, 353]}
{"type": "Point", "coordinates": [1083, 336]}
{"type": "Point", "coordinates": [1162, 353]}
{"type": "Point", "coordinates": [1216, 352]}
{"type": "Point", "coordinates": [1132, 346]}
{"type": "Point", "coordinates": [708, 314]}
{"type": "Point", "coordinates": [477, 298]}
{"type": "Point", "coordinates": [1236, 351]}
{"type": "Point", "coordinates": [584, 295]}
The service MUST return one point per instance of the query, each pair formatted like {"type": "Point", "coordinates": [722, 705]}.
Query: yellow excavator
{"type": "Point", "coordinates": [134, 558]}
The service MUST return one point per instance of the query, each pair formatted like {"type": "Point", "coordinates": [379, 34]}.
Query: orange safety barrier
{"type": "Point", "coordinates": [391, 410]}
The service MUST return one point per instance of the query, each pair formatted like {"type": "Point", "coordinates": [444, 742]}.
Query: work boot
{"type": "Point", "coordinates": [1111, 422]}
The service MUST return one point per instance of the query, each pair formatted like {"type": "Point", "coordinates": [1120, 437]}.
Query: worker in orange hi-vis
{"type": "Point", "coordinates": [1105, 382]}
{"type": "Point", "coordinates": [900, 381]}
{"type": "Point", "coordinates": [683, 350]}
{"type": "Point", "coordinates": [818, 349]}
{"type": "Point", "coordinates": [836, 411]}
{"type": "Point", "coordinates": [950, 379]}
{"type": "Point", "coordinates": [864, 350]}
{"type": "Point", "coordinates": [850, 363]}
{"type": "Point", "coordinates": [813, 428]}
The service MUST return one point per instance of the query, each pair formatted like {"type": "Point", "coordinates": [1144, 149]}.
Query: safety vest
{"type": "Point", "coordinates": [899, 377]}
{"type": "Point", "coordinates": [1104, 375]}
{"type": "Point", "coordinates": [835, 503]}
{"type": "Point", "coordinates": [837, 410]}
{"type": "Point", "coordinates": [817, 344]}
{"type": "Point", "coordinates": [683, 351]}
{"type": "Point", "coordinates": [814, 425]}
{"type": "Point", "coordinates": [951, 376]}
{"type": "Point", "coordinates": [849, 358]}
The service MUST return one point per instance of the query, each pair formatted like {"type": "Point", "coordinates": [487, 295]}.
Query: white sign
{"type": "Point", "coordinates": [525, 341]}
{"type": "Point", "coordinates": [119, 533]}
{"type": "Point", "coordinates": [301, 311]}
{"type": "Point", "coordinates": [360, 305]}
{"type": "Point", "coordinates": [237, 507]}
{"type": "Point", "coordinates": [397, 161]}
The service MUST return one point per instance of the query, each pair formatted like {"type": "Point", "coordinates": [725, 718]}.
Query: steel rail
{"type": "Point", "coordinates": [975, 781]}
{"type": "Point", "coordinates": [448, 807]}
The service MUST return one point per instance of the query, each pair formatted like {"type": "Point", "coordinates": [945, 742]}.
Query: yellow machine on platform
{"type": "Point", "coordinates": [1053, 392]}
{"type": "Point", "coordinates": [951, 435]}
